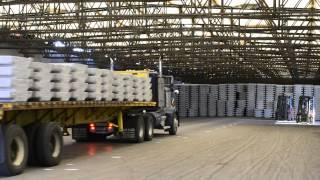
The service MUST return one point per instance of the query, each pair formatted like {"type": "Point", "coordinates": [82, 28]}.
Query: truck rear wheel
{"type": "Point", "coordinates": [135, 127]}
{"type": "Point", "coordinates": [31, 131]}
{"type": "Point", "coordinates": [49, 144]}
{"type": "Point", "coordinates": [149, 128]}
{"type": "Point", "coordinates": [15, 150]}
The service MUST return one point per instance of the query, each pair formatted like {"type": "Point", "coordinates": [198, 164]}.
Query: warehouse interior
{"type": "Point", "coordinates": [246, 82]}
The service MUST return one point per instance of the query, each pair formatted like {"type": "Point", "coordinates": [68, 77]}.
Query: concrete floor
{"type": "Point", "coordinates": [204, 149]}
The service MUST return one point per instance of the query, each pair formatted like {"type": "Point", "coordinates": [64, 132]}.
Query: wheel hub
{"type": "Point", "coordinates": [17, 151]}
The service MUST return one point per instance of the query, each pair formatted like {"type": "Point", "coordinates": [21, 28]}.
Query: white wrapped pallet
{"type": "Point", "coordinates": [14, 79]}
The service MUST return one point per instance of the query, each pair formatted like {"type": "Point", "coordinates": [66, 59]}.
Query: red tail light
{"type": "Point", "coordinates": [109, 126]}
{"type": "Point", "coordinates": [92, 127]}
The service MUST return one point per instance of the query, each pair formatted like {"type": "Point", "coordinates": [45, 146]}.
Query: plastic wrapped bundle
{"type": "Point", "coordinates": [14, 79]}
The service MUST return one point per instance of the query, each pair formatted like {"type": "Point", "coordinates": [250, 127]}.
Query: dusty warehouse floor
{"type": "Point", "coordinates": [204, 149]}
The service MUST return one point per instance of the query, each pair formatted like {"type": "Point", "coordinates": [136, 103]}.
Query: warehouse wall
{"type": "Point", "coordinates": [251, 100]}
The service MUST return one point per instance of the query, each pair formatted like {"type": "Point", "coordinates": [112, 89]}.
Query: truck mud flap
{"type": "Point", "coordinates": [2, 144]}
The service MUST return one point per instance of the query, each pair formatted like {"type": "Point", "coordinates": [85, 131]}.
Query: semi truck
{"type": "Point", "coordinates": [31, 133]}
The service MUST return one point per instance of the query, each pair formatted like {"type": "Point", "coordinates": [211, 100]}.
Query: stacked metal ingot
{"type": "Point", "coordinates": [41, 81]}
{"type": "Point", "coordinates": [118, 87]}
{"type": "Point", "coordinates": [79, 76]}
{"type": "Point", "coordinates": [142, 89]}
{"type": "Point", "coordinates": [107, 88]}
{"type": "Point", "coordinates": [94, 81]}
{"type": "Point", "coordinates": [61, 78]}
{"type": "Point", "coordinates": [15, 79]}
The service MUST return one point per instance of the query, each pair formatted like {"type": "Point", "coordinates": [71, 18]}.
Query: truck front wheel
{"type": "Point", "coordinates": [15, 150]}
{"type": "Point", "coordinates": [49, 144]}
{"type": "Point", "coordinates": [149, 128]}
{"type": "Point", "coordinates": [174, 123]}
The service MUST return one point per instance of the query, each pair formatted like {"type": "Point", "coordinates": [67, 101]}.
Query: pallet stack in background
{"type": "Point", "coordinates": [222, 100]}
{"type": "Point", "coordinates": [183, 100]}
{"type": "Point", "coordinates": [268, 112]}
{"type": "Point", "coordinates": [251, 100]}
{"type": "Point", "coordinates": [212, 100]}
{"type": "Point", "coordinates": [231, 102]}
{"type": "Point", "coordinates": [203, 100]}
{"type": "Point", "coordinates": [260, 100]}
{"type": "Point", "coordinates": [241, 103]}
{"type": "Point", "coordinates": [193, 110]}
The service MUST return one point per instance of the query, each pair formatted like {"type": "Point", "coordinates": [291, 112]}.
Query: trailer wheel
{"type": "Point", "coordinates": [149, 128]}
{"type": "Point", "coordinates": [49, 144]}
{"type": "Point", "coordinates": [174, 123]}
{"type": "Point", "coordinates": [31, 131]}
{"type": "Point", "coordinates": [15, 150]}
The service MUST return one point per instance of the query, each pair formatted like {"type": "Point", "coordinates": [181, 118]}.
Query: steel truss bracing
{"type": "Point", "coordinates": [274, 41]}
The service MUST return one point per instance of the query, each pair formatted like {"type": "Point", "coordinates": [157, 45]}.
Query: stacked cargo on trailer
{"type": "Point", "coordinates": [32, 131]}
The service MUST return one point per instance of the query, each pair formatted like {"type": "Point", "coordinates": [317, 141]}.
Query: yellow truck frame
{"type": "Point", "coordinates": [67, 113]}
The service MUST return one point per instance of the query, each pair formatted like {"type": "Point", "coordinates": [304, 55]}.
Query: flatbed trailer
{"type": "Point", "coordinates": [66, 112]}
{"type": "Point", "coordinates": [32, 132]}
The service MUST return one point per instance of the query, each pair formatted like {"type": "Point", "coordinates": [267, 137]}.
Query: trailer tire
{"type": "Point", "coordinates": [149, 128]}
{"type": "Point", "coordinates": [31, 131]}
{"type": "Point", "coordinates": [49, 144]}
{"type": "Point", "coordinates": [174, 123]}
{"type": "Point", "coordinates": [15, 150]}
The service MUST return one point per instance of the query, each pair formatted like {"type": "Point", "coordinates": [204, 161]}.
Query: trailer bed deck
{"type": "Point", "coordinates": [70, 104]}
